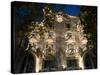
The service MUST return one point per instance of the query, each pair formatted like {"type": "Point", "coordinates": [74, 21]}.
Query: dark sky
{"type": "Point", "coordinates": [33, 11]}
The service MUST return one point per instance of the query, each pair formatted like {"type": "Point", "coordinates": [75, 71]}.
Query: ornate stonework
{"type": "Point", "coordinates": [65, 40]}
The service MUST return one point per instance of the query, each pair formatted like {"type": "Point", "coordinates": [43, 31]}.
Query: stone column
{"type": "Point", "coordinates": [80, 62]}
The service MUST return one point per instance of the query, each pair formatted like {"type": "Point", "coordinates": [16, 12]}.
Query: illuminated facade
{"type": "Point", "coordinates": [65, 41]}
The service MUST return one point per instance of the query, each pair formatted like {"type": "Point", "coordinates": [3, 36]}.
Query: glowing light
{"type": "Point", "coordinates": [59, 18]}
{"type": "Point", "coordinates": [37, 65]}
{"type": "Point", "coordinates": [64, 66]}
{"type": "Point", "coordinates": [49, 41]}
{"type": "Point", "coordinates": [84, 41]}
{"type": "Point", "coordinates": [70, 41]}
{"type": "Point", "coordinates": [81, 63]}
{"type": "Point", "coordinates": [33, 40]}
{"type": "Point", "coordinates": [41, 24]}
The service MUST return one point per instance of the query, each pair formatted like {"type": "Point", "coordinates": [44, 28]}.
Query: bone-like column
{"type": "Point", "coordinates": [81, 62]}
{"type": "Point", "coordinates": [37, 65]}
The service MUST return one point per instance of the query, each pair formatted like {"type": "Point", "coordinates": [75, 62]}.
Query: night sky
{"type": "Point", "coordinates": [34, 11]}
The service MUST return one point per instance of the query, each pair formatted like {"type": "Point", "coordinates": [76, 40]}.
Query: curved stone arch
{"type": "Point", "coordinates": [85, 55]}
{"type": "Point", "coordinates": [38, 61]}
{"type": "Point", "coordinates": [34, 58]}
{"type": "Point", "coordinates": [26, 62]}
